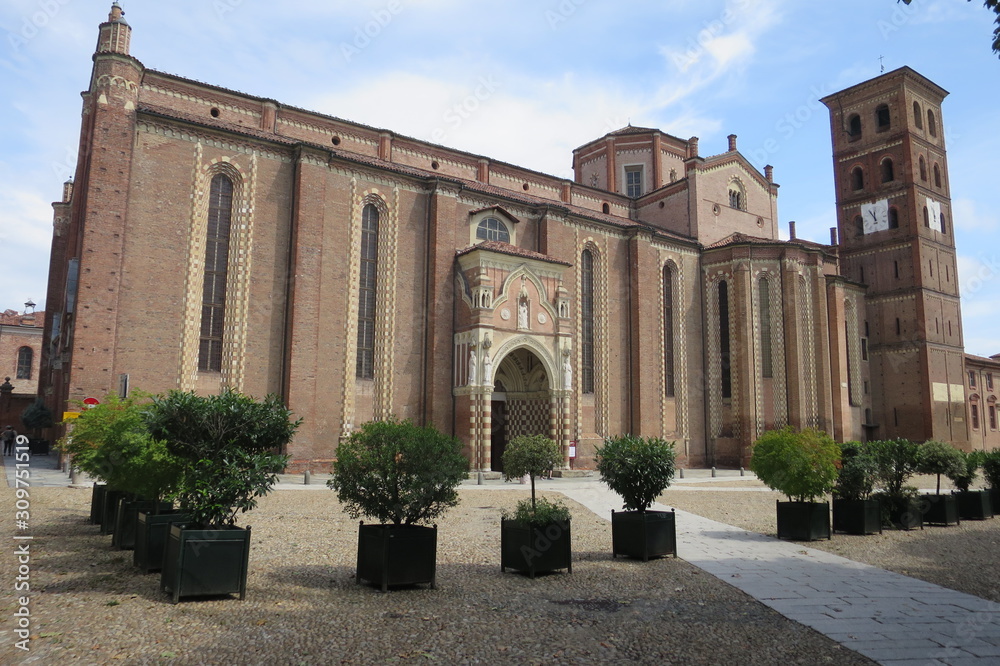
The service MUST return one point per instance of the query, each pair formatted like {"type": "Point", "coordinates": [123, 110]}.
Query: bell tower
{"type": "Point", "coordinates": [896, 234]}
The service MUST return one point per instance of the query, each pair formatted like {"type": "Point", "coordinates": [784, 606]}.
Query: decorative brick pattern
{"type": "Point", "coordinates": [529, 416]}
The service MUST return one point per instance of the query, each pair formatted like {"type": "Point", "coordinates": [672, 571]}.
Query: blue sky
{"type": "Point", "coordinates": [526, 82]}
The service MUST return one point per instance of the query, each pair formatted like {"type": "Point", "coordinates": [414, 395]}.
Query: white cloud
{"type": "Point", "coordinates": [967, 217]}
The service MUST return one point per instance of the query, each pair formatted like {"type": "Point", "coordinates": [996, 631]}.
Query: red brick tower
{"type": "Point", "coordinates": [896, 237]}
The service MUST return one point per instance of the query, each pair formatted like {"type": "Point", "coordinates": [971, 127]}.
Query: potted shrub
{"type": "Point", "coordinates": [854, 510]}
{"type": "Point", "coordinates": [226, 445]}
{"type": "Point", "coordinates": [991, 472]}
{"type": "Point", "coordinates": [938, 458]}
{"type": "Point", "coordinates": [639, 469]}
{"type": "Point", "coordinates": [972, 504]}
{"type": "Point", "coordinates": [536, 537]}
{"type": "Point", "coordinates": [400, 475]}
{"type": "Point", "coordinates": [803, 466]}
{"type": "Point", "coordinates": [895, 462]}
{"type": "Point", "coordinates": [87, 447]}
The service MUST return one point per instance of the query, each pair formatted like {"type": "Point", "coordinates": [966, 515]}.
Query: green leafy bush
{"type": "Point", "coordinates": [895, 463]}
{"type": "Point", "coordinates": [226, 445]}
{"type": "Point", "coordinates": [991, 469]}
{"type": "Point", "coordinates": [542, 513]}
{"type": "Point", "coordinates": [533, 455]}
{"type": "Point", "coordinates": [963, 477]}
{"type": "Point", "coordinates": [802, 465]}
{"type": "Point", "coordinates": [37, 416]}
{"type": "Point", "coordinates": [637, 468]}
{"type": "Point", "coordinates": [856, 477]}
{"type": "Point", "coordinates": [397, 472]}
{"type": "Point", "coordinates": [938, 458]}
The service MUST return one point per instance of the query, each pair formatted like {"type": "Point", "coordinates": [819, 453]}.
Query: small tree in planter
{"type": "Point", "coordinates": [991, 472]}
{"type": "Point", "coordinates": [939, 458]}
{"type": "Point", "coordinates": [226, 444]}
{"type": "Point", "coordinates": [536, 537]}
{"type": "Point", "coordinates": [895, 463]}
{"type": "Point", "coordinates": [972, 504]}
{"type": "Point", "coordinates": [639, 469]}
{"type": "Point", "coordinates": [401, 475]}
{"type": "Point", "coordinates": [854, 511]}
{"type": "Point", "coordinates": [803, 466]}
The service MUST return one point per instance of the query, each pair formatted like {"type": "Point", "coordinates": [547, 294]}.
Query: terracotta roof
{"type": "Point", "coordinates": [512, 250]}
{"type": "Point", "coordinates": [992, 360]}
{"type": "Point", "coordinates": [629, 129]}
{"type": "Point", "coordinates": [15, 318]}
{"type": "Point", "coordinates": [741, 238]}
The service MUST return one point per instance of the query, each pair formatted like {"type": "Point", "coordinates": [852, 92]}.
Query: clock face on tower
{"type": "Point", "coordinates": [876, 216]}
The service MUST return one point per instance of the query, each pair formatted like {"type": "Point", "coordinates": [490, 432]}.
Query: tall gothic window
{"type": "Point", "coordinates": [727, 375]}
{"type": "Point", "coordinates": [213, 305]}
{"type": "Point", "coordinates": [668, 331]}
{"type": "Point", "coordinates": [25, 355]}
{"type": "Point", "coordinates": [366, 293]}
{"type": "Point", "coordinates": [764, 306]}
{"type": "Point", "coordinates": [587, 321]}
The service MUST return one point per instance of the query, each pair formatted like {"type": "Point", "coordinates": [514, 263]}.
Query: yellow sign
{"type": "Point", "coordinates": [71, 415]}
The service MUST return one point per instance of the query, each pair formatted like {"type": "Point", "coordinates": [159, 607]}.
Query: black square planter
{"type": "Point", "coordinates": [974, 505]}
{"type": "Point", "coordinates": [112, 498]}
{"type": "Point", "coordinates": [151, 537]}
{"type": "Point", "coordinates": [803, 521]}
{"type": "Point", "coordinates": [994, 498]}
{"type": "Point", "coordinates": [939, 509]}
{"type": "Point", "coordinates": [857, 516]}
{"type": "Point", "coordinates": [97, 503]}
{"type": "Point", "coordinates": [393, 555]}
{"type": "Point", "coordinates": [643, 534]}
{"type": "Point", "coordinates": [905, 515]}
{"type": "Point", "coordinates": [535, 549]}
{"type": "Point", "coordinates": [205, 563]}
{"type": "Point", "coordinates": [123, 536]}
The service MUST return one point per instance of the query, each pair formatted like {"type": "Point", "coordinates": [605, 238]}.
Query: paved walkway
{"type": "Point", "coordinates": [893, 619]}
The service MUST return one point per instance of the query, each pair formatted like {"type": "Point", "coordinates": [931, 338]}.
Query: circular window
{"type": "Point", "coordinates": [662, 204]}
{"type": "Point", "coordinates": [716, 209]}
{"type": "Point", "coordinates": [525, 187]}
{"type": "Point", "coordinates": [760, 222]}
{"type": "Point", "coordinates": [435, 165]}
{"type": "Point", "coordinates": [336, 140]}
{"type": "Point", "coordinates": [215, 112]}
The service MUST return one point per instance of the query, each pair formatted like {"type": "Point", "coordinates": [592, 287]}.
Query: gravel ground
{"type": "Point", "coordinates": [965, 557]}
{"type": "Point", "coordinates": [90, 606]}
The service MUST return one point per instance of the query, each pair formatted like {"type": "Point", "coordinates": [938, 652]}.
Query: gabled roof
{"type": "Point", "coordinates": [511, 250]}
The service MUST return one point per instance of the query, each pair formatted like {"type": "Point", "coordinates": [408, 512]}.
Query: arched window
{"type": "Point", "coordinates": [587, 321]}
{"type": "Point", "coordinates": [857, 178]}
{"type": "Point", "coordinates": [24, 357]}
{"type": "Point", "coordinates": [726, 358]}
{"type": "Point", "coordinates": [888, 174]}
{"type": "Point", "coordinates": [918, 116]}
{"type": "Point", "coordinates": [367, 282]}
{"type": "Point", "coordinates": [927, 219]}
{"type": "Point", "coordinates": [492, 229]}
{"type": "Point", "coordinates": [859, 226]}
{"type": "Point", "coordinates": [213, 306]}
{"type": "Point", "coordinates": [737, 197]}
{"type": "Point", "coordinates": [923, 168]}
{"type": "Point", "coordinates": [764, 310]}
{"type": "Point", "coordinates": [944, 224]}
{"type": "Point", "coordinates": [937, 175]}
{"type": "Point", "coordinates": [854, 127]}
{"type": "Point", "coordinates": [894, 218]}
{"type": "Point", "coordinates": [931, 123]}
{"type": "Point", "coordinates": [668, 331]}
{"type": "Point", "coordinates": [882, 120]}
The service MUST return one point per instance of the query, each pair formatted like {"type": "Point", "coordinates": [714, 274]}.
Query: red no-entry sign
{"type": "Point", "coordinates": [91, 402]}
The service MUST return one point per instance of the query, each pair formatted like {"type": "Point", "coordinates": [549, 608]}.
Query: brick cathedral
{"type": "Point", "coordinates": [211, 238]}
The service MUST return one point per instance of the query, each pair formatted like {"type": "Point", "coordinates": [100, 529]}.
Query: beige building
{"type": "Point", "coordinates": [213, 239]}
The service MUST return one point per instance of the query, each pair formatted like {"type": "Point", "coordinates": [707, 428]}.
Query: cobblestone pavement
{"type": "Point", "coordinates": [90, 606]}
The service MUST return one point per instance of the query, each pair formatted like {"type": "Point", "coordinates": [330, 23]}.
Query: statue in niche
{"type": "Point", "coordinates": [567, 373]}
{"type": "Point", "coordinates": [522, 314]}
{"type": "Point", "coordinates": [487, 369]}
{"type": "Point", "coordinates": [472, 367]}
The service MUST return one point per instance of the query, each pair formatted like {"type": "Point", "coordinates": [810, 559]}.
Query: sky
{"type": "Point", "coordinates": [526, 82]}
